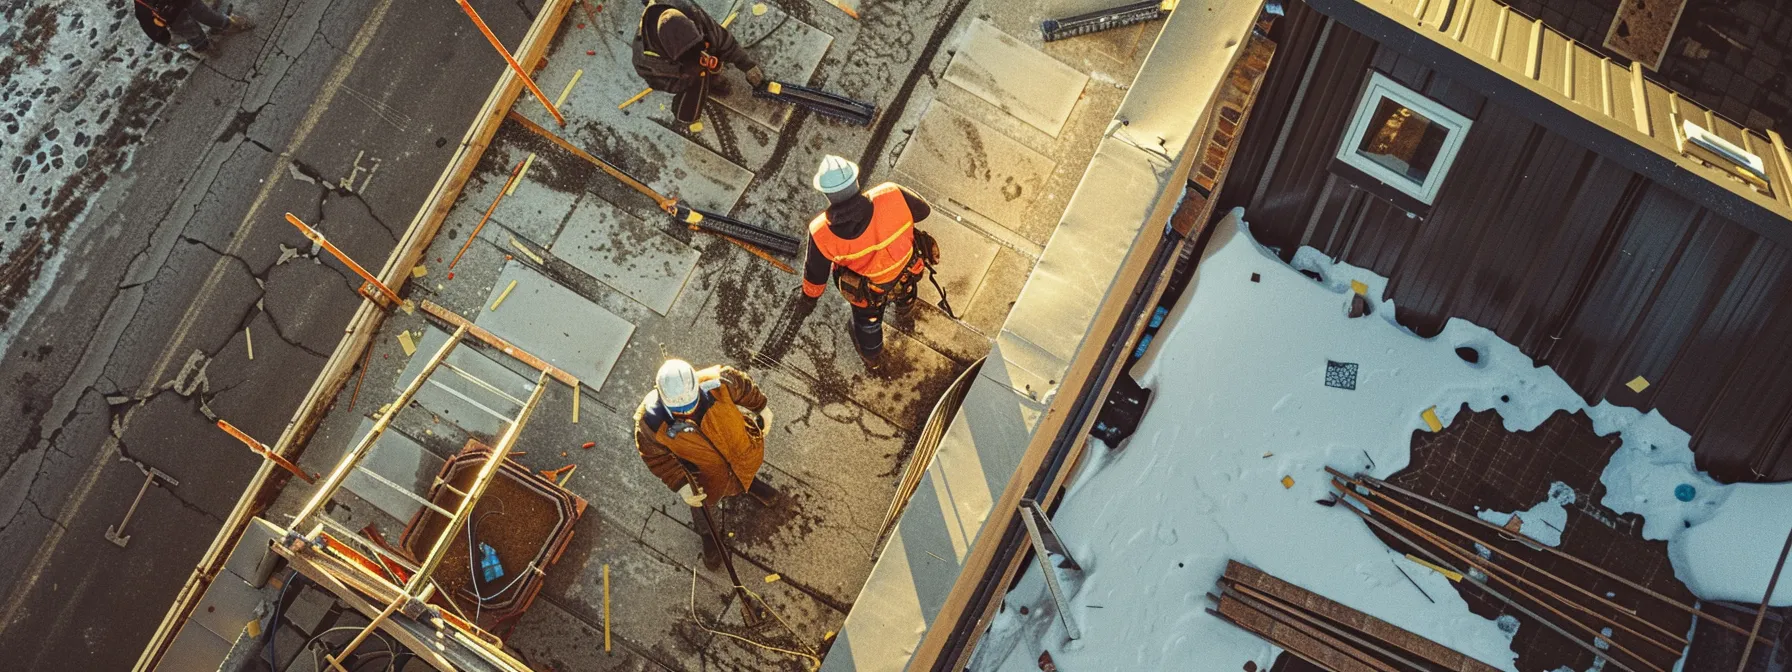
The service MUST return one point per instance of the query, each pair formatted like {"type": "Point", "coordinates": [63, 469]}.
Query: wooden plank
{"type": "Point", "coordinates": [1294, 639]}
{"type": "Point", "coordinates": [360, 329]}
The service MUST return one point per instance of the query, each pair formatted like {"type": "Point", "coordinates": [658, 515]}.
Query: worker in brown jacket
{"type": "Point", "coordinates": [703, 434]}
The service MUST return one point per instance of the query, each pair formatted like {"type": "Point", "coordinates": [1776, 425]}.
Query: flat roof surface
{"type": "Point", "coordinates": [976, 114]}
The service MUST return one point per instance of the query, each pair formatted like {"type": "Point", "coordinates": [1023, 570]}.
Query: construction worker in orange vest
{"type": "Point", "coordinates": [869, 242]}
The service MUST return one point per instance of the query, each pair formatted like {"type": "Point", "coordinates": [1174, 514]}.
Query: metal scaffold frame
{"type": "Point", "coordinates": [324, 552]}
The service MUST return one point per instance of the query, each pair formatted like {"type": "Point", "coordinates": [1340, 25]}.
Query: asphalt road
{"type": "Point", "coordinates": [342, 112]}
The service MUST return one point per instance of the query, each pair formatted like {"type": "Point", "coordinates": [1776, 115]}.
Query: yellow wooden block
{"type": "Point", "coordinates": [1430, 416]}
{"type": "Point", "coordinates": [1453, 576]}
{"type": "Point", "coordinates": [527, 163]}
{"type": "Point", "coordinates": [504, 295]}
{"type": "Point", "coordinates": [419, 271]}
{"type": "Point", "coordinates": [759, 9]}
{"type": "Point", "coordinates": [774, 87]}
{"type": "Point", "coordinates": [1358, 287]}
{"type": "Point", "coordinates": [253, 627]}
{"type": "Point", "coordinates": [404, 341]}
{"type": "Point", "coordinates": [1637, 384]}
{"type": "Point", "coordinates": [1287, 481]}
{"type": "Point", "coordinates": [772, 577]}
{"type": "Point", "coordinates": [696, 127]}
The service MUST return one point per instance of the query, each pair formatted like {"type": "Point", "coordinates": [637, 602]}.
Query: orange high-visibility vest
{"type": "Point", "coordinates": [884, 249]}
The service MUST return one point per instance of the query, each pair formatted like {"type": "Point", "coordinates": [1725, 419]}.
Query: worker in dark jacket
{"type": "Point", "coordinates": [162, 20]}
{"type": "Point", "coordinates": [869, 242]}
{"type": "Point", "coordinates": [703, 434]}
{"type": "Point", "coordinates": [679, 49]}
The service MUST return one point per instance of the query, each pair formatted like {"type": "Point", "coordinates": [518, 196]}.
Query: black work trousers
{"type": "Point", "coordinates": [187, 25]}
{"type": "Point", "coordinates": [868, 320]}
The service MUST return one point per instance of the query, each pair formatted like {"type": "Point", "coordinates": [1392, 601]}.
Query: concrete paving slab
{"type": "Point", "coordinates": [649, 594]}
{"type": "Point", "coordinates": [555, 324]}
{"type": "Point", "coordinates": [396, 458]}
{"type": "Point", "coordinates": [1007, 274]}
{"type": "Point", "coordinates": [810, 620]}
{"type": "Point", "coordinates": [964, 258]}
{"type": "Point", "coordinates": [978, 167]}
{"type": "Point", "coordinates": [227, 608]}
{"type": "Point", "coordinates": [450, 397]}
{"type": "Point", "coordinates": [633, 256]}
{"type": "Point", "coordinates": [550, 638]}
{"type": "Point", "coordinates": [786, 48]}
{"type": "Point", "coordinates": [534, 211]}
{"type": "Point", "coordinates": [1017, 78]}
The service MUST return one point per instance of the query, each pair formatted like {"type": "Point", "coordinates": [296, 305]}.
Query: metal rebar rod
{"type": "Point", "coordinates": [356, 454]}
{"type": "Point", "coordinates": [514, 174]}
{"type": "Point", "coordinates": [315, 237]}
{"type": "Point", "coordinates": [1474, 562]}
{"type": "Point", "coordinates": [1674, 638]}
{"type": "Point", "coordinates": [1761, 613]}
{"type": "Point", "coordinates": [514, 66]}
{"type": "Point", "coordinates": [486, 475]}
{"type": "Point", "coordinates": [1378, 484]}
{"type": "Point", "coordinates": [476, 380]}
{"type": "Point", "coordinates": [1439, 561]}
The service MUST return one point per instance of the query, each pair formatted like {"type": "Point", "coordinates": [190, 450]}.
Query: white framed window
{"type": "Point", "coordinates": [1403, 139]}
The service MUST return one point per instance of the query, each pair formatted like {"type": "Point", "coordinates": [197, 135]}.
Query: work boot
{"type": "Point", "coordinates": [712, 552]}
{"type": "Point", "coordinates": [873, 356]}
{"type": "Point", "coordinates": [763, 492]}
{"type": "Point", "coordinates": [237, 24]}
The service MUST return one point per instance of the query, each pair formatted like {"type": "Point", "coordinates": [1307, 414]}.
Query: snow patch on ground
{"type": "Point", "coordinates": [1543, 522]}
{"type": "Point", "coordinates": [1726, 539]}
{"type": "Point", "coordinates": [78, 88]}
{"type": "Point", "coordinates": [1241, 403]}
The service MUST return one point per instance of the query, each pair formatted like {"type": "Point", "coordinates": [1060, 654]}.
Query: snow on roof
{"type": "Point", "coordinates": [1242, 401]}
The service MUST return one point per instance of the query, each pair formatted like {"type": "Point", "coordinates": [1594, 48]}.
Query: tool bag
{"type": "Point", "coordinates": [860, 291]}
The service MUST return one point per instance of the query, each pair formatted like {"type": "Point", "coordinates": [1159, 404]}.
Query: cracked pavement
{"type": "Point", "coordinates": [179, 266]}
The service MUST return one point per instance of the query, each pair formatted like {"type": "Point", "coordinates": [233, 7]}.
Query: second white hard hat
{"type": "Point", "coordinates": [836, 174]}
{"type": "Point", "coordinates": [677, 385]}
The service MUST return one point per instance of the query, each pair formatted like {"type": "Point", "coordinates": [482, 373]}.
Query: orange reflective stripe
{"type": "Point", "coordinates": [875, 246]}
{"type": "Point", "coordinates": [890, 236]}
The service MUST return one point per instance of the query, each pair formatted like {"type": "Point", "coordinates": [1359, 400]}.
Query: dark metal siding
{"type": "Point", "coordinates": [1582, 263]}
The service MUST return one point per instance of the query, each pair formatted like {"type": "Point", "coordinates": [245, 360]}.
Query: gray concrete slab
{"type": "Point", "coordinates": [398, 459]}
{"type": "Point", "coordinates": [650, 595]}
{"type": "Point", "coordinates": [974, 165]}
{"type": "Point", "coordinates": [555, 324]}
{"type": "Point", "coordinates": [550, 638]}
{"type": "Point", "coordinates": [450, 397]}
{"type": "Point", "coordinates": [533, 210]}
{"type": "Point", "coordinates": [1017, 78]}
{"type": "Point", "coordinates": [786, 48]}
{"type": "Point", "coordinates": [635, 257]}
{"type": "Point", "coordinates": [965, 255]}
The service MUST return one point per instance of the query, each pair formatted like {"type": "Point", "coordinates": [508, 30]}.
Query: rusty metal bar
{"type": "Point", "coordinates": [341, 256]}
{"type": "Point", "coordinates": [267, 453]}
{"type": "Point", "coordinates": [514, 66]}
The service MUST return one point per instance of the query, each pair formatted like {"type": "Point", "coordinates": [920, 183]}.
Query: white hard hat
{"type": "Point", "coordinates": [677, 385]}
{"type": "Point", "coordinates": [835, 175]}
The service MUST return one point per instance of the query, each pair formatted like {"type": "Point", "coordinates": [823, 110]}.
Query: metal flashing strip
{"type": "Point", "coordinates": [1018, 431]}
{"type": "Point", "coordinates": [1624, 120]}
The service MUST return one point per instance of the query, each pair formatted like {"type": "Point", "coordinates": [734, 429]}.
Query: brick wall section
{"type": "Point", "coordinates": [1728, 55]}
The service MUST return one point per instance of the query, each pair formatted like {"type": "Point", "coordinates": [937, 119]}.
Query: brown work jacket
{"type": "Point", "coordinates": [723, 452]}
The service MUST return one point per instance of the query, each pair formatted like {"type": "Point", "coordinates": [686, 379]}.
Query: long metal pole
{"type": "Point", "coordinates": [315, 237]}
{"type": "Point", "coordinates": [263, 450]}
{"type": "Point", "coordinates": [1761, 614]}
{"type": "Point", "coordinates": [1533, 544]}
{"type": "Point", "coordinates": [347, 465]}
{"type": "Point", "coordinates": [500, 452]}
{"type": "Point", "coordinates": [515, 66]}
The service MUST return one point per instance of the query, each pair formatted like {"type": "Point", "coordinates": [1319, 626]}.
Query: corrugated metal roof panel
{"type": "Point", "coordinates": [1569, 253]}
{"type": "Point", "coordinates": [1496, 39]}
